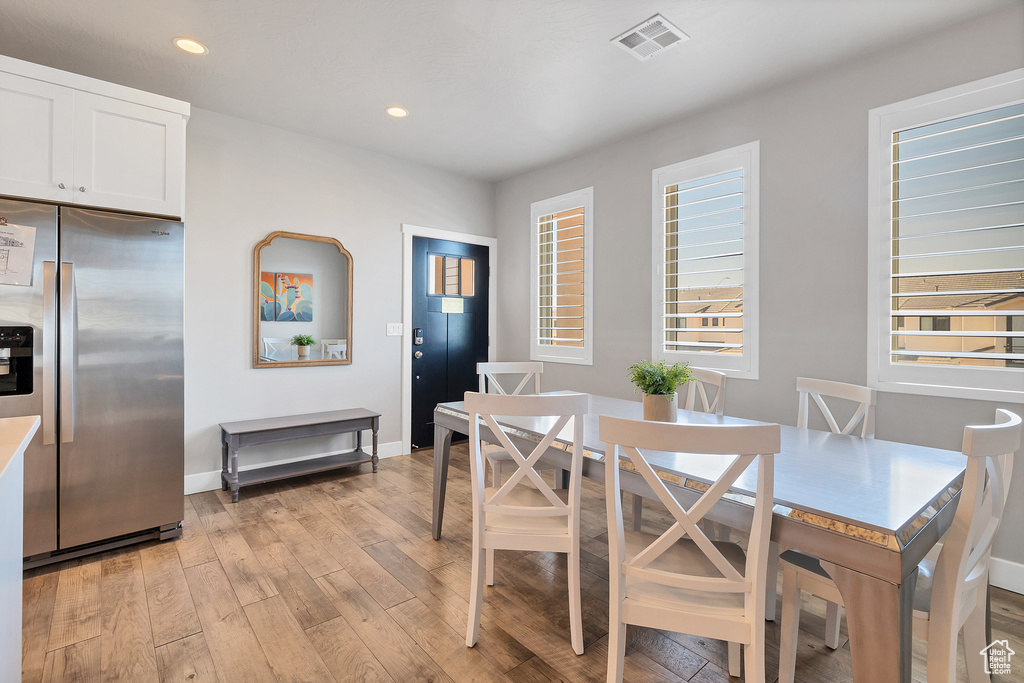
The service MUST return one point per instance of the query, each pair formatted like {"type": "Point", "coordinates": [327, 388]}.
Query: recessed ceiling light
{"type": "Point", "coordinates": [397, 112]}
{"type": "Point", "coordinates": [191, 46]}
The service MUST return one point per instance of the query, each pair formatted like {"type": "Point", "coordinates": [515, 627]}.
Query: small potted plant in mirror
{"type": "Point", "coordinates": [302, 342]}
{"type": "Point", "coordinates": [658, 380]}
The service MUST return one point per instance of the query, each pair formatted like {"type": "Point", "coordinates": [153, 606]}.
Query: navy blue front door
{"type": "Point", "coordinates": [449, 319]}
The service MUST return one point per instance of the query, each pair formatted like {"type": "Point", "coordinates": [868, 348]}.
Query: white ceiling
{"type": "Point", "coordinates": [494, 87]}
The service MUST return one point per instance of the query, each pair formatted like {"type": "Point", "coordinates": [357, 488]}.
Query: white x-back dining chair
{"type": "Point", "coordinates": [524, 513]}
{"type": "Point", "coordinates": [705, 393]}
{"type": "Point", "coordinates": [698, 396]}
{"type": "Point", "coordinates": [511, 379]}
{"type": "Point", "coordinates": [819, 389]}
{"type": "Point", "coordinates": [274, 344]}
{"type": "Point", "coordinates": [952, 590]}
{"type": "Point", "coordinates": [682, 580]}
{"type": "Point", "coordinates": [334, 348]}
{"type": "Point", "coordinates": [863, 414]}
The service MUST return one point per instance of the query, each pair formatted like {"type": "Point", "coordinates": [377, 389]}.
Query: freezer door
{"type": "Point", "coordinates": [28, 306]}
{"type": "Point", "coordinates": [121, 375]}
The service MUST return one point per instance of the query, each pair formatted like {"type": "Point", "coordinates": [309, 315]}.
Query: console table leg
{"type": "Point", "coordinates": [224, 466]}
{"type": "Point", "coordinates": [234, 475]}
{"type": "Point", "coordinates": [374, 454]}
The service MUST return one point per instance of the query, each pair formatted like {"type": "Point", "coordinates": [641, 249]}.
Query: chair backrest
{"type": "Point", "coordinates": [272, 344]}
{"type": "Point", "coordinates": [559, 410]}
{"type": "Point", "coordinates": [754, 443]}
{"type": "Point", "coordinates": [817, 388]}
{"type": "Point", "coordinates": [698, 388]}
{"type": "Point", "coordinates": [963, 564]}
{"type": "Point", "coordinates": [334, 348]}
{"type": "Point", "coordinates": [490, 384]}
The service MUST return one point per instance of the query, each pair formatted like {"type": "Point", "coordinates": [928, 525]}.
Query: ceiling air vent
{"type": "Point", "coordinates": [649, 38]}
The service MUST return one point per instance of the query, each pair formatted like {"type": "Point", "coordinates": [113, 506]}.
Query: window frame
{"type": "Point", "coordinates": [1000, 384]}
{"type": "Point", "coordinates": [746, 156]}
{"type": "Point", "coordinates": [579, 355]}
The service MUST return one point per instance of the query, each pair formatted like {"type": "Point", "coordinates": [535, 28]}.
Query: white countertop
{"type": "Point", "coordinates": [15, 433]}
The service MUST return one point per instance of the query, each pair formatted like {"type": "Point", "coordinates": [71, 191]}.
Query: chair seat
{"type": "Point", "coordinates": [808, 563]}
{"type": "Point", "coordinates": [684, 558]}
{"type": "Point", "coordinates": [527, 497]}
{"type": "Point", "coordinates": [500, 460]}
{"type": "Point", "coordinates": [922, 593]}
{"type": "Point", "coordinates": [496, 453]}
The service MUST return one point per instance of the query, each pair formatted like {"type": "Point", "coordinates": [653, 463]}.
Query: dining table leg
{"type": "Point", "coordinates": [878, 615]}
{"type": "Point", "coordinates": [442, 451]}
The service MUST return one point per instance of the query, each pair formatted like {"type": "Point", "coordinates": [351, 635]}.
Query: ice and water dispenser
{"type": "Point", "coordinates": [15, 361]}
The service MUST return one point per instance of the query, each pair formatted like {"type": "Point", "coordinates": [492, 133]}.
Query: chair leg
{"type": "Point", "coordinates": [495, 473]}
{"type": "Point", "coordinates": [942, 647]}
{"type": "Point", "coordinates": [489, 567]}
{"type": "Point", "coordinates": [616, 645]}
{"type": "Point", "coordinates": [833, 618]}
{"type": "Point", "coordinates": [638, 511]}
{"type": "Point", "coordinates": [476, 595]}
{"type": "Point", "coordinates": [575, 608]}
{"type": "Point", "coordinates": [771, 579]}
{"type": "Point", "coordinates": [790, 626]}
{"type": "Point", "coordinates": [975, 640]}
{"type": "Point", "coordinates": [753, 659]}
{"type": "Point", "coordinates": [734, 659]}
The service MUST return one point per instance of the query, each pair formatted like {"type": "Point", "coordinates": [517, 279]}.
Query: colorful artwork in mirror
{"type": "Point", "coordinates": [294, 297]}
{"type": "Point", "coordinates": [267, 297]}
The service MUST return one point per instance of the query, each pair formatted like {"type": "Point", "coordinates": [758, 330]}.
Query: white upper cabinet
{"type": "Point", "coordinates": [128, 156]}
{"type": "Point", "coordinates": [35, 138]}
{"type": "Point", "coordinates": [71, 139]}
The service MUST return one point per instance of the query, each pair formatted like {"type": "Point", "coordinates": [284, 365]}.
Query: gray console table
{"type": "Point", "coordinates": [235, 435]}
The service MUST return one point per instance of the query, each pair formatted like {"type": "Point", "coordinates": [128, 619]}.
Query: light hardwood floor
{"type": "Point", "coordinates": [335, 577]}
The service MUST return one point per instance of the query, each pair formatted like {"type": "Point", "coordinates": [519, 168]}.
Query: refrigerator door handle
{"type": "Point", "coordinates": [67, 352]}
{"type": "Point", "coordinates": [49, 351]}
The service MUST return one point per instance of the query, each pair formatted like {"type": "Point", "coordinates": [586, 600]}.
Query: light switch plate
{"type": "Point", "coordinates": [394, 329]}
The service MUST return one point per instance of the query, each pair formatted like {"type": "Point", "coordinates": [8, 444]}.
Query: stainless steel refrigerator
{"type": "Point", "coordinates": [91, 340]}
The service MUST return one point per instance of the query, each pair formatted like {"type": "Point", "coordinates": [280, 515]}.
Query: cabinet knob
{"type": "Point", "coordinates": [62, 186]}
{"type": "Point", "coordinates": [82, 188]}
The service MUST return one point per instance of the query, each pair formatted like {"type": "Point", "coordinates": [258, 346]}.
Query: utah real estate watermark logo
{"type": "Point", "coordinates": [997, 657]}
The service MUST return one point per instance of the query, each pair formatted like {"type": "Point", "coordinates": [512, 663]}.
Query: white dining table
{"type": "Point", "coordinates": [870, 509]}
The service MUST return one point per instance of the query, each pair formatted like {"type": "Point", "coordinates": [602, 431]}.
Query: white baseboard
{"type": "Point", "coordinates": [1006, 574]}
{"type": "Point", "coordinates": [210, 481]}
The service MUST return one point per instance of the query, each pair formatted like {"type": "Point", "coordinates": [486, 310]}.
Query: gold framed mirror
{"type": "Point", "coordinates": [302, 292]}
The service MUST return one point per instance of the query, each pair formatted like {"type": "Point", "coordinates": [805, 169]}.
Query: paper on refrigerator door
{"type": "Point", "coordinates": [17, 244]}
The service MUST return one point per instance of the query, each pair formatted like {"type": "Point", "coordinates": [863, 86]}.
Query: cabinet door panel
{"type": "Point", "coordinates": [128, 156]}
{"type": "Point", "coordinates": [35, 139]}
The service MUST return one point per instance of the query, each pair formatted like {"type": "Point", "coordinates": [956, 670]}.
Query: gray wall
{"type": "Point", "coordinates": [246, 180]}
{"type": "Point", "coordinates": [813, 223]}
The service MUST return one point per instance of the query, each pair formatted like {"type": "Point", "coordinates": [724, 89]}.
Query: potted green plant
{"type": "Point", "coordinates": [302, 342]}
{"type": "Point", "coordinates": [658, 381]}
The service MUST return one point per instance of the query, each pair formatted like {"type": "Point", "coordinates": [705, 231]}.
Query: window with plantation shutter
{"type": "Point", "coordinates": [948, 242]}
{"type": "Point", "coordinates": [562, 278]}
{"type": "Point", "coordinates": [705, 261]}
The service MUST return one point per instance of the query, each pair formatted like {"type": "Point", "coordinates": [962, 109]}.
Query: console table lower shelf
{"type": "Point", "coordinates": [236, 435]}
